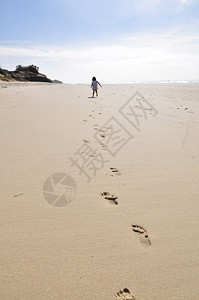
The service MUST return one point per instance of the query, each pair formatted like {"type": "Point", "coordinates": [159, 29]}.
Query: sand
{"type": "Point", "coordinates": [132, 228]}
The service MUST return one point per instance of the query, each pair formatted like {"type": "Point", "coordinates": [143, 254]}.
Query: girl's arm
{"type": "Point", "coordinates": [99, 83]}
{"type": "Point", "coordinates": [91, 84]}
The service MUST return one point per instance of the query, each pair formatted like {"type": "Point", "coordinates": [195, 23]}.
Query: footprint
{"type": "Point", "coordinates": [110, 197]}
{"type": "Point", "coordinates": [143, 235]}
{"type": "Point", "coordinates": [115, 171]}
{"type": "Point", "coordinates": [95, 127]}
{"type": "Point", "coordinates": [85, 141]}
{"type": "Point", "coordinates": [17, 195]}
{"type": "Point", "coordinates": [104, 147]}
{"type": "Point", "coordinates": [125, 295]}
{"type": "Point", "coordinates": [190, 142]}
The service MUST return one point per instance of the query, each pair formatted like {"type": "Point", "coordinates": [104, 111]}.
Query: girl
{"type": "Point", "coordinates": [94, 86]}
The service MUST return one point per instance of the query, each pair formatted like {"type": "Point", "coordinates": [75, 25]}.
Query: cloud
{"type": "Point", "coordinates": [171, 54]}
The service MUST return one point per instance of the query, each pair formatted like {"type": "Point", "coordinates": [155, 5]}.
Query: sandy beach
{"type": "Point", "coordinates": [99, 196]}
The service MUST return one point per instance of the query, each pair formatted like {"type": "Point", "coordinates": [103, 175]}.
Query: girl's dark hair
{"type": "Point", "coordinates": [93, 79]}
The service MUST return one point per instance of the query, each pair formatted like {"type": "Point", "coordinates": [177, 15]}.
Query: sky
{"type": "Point", "coordinates": [116, 41]}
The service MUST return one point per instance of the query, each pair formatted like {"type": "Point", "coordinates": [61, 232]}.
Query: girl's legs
{"type": "Point", "coordinates": [94, 91]}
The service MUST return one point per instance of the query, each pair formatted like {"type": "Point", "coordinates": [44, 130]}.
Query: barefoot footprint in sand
{"type": "Point", "coordinates": [85, 141]}
{"type": "Point", "coordinates": [143, 235]}
{"type": "Point", "coordinates": [115, 171]}
{"type": "Point", "coordinates": [112, 198]}
{"type": "Point", "coordinates": [125, 295]}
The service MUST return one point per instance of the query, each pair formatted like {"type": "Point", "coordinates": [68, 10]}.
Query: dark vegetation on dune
{"type": "Point", "coordinates": [24, 73]}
